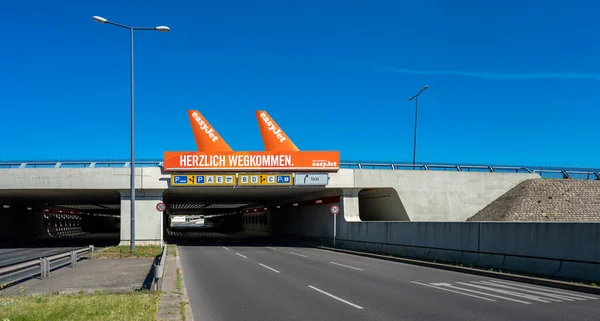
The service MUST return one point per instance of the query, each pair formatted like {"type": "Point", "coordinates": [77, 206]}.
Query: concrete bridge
{"type": "Point", "coordinates": [413, 213]}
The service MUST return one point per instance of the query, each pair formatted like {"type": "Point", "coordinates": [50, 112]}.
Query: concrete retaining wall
{"type": "Point", "coordinates": [441, 195]}
{"type": "Point", "coordinates": [562, 250]}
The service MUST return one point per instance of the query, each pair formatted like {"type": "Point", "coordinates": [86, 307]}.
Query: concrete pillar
{"type": "Point", "coordinates": [349, 204]}
{"type": "Point", "coordinates": [349, 212]}
{"type": "Point", "coordinates": [148, 220]}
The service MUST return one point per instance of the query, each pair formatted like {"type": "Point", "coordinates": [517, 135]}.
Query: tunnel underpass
{"type": "Point", "coordinates": [267, 212]}
{"type": "Point", "coordinates": [53, 218]}
{"type": "Point", "coordinates": [225, 210]}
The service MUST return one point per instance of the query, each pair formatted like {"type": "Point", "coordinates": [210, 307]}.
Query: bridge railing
{"type": "Point", "coordinates": [566, 173]}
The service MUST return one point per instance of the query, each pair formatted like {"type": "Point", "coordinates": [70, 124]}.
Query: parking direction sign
{"type": "Point", "coordinates": [179, 179]}
{"type": "Point", "coordinates": [203, 180]}
{"type": "Point", "coordinates": [279, 179]}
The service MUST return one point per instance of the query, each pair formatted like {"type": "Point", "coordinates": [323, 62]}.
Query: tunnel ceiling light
{"type": "Point", "coordinates": [278, 206]}
{"type": "Point", "coordinates": [6, 206]}
{"type": "Point", "coordinates": [319, 201]}
{"type": "Point", "coordinates": [295, 204]}
{"type": "Point", "coordinates": [29, 208]}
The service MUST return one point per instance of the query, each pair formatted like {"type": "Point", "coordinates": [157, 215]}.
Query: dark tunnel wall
{"type": "Point", "coordinates": [100, 224]}
{"type": "Point", "coordinates": [19, 225]}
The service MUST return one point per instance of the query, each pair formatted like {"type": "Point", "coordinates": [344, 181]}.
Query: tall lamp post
{"type": "Point", "coordinates": [132, 163]}
{"type": "Point", "coordinates": [416, 97]}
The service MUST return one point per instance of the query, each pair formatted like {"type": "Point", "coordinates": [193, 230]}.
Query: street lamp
{"type": "Point", "coordinates": [132, 163]}
{"type": "Point", "coordinates": [416, 97]}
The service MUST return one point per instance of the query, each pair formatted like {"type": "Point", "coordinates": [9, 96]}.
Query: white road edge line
{"type": "Point", "coordinates": [302, 255]}
{"type": "Point", "coordinates": [225, 247]}
{"type": "Point", "coordinates": [268, 267]}
{"type": "Point", "coordinates": [335, 297]}
{"type": "Point", "coordinates": [439, 288]}
{"type": "Point", "coordinates": [241, 255]}
{"type": "Point", "coordinates": [348, 266]}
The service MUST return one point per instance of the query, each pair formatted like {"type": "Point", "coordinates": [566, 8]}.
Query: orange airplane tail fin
{"type": "Point", "coordinates": [207, 138]}
{"type": "Point", "coordinates": [273, 136]}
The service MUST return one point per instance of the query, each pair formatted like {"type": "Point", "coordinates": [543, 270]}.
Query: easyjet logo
{"type": "Point", "coordinates": [276, 131]}
{"type": "Point", "coordinates": [205, 128]}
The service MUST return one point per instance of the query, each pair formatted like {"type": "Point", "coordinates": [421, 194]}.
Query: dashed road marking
{"type": "Point", "coordinates": [268, 267]}
{"type": "Point", "coordinates": [348, 266]}
{"type": "Point", "coordinates": [297, 254]}
{"type": "Point", "coordinates": [335, 297]}
{"type": "Point", "coordinates": [242, 255]}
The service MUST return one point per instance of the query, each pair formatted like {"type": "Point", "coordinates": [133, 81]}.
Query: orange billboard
{"type": "Point", "coordinates": [252, 161]}
{"type": "Point", "coordinates": [280, 154]}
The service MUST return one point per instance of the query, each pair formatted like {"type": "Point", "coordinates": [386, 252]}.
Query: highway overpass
{"type": "Point", "coordinates": [416, 213]}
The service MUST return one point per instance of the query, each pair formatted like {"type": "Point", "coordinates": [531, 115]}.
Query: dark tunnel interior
{"type": "Point", "coordinates": [52, 218]}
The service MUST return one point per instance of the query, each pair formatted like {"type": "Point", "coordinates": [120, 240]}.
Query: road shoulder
{"type": "Point", "coordinates": [476, 271]}
{"type": "Point", "coordinates": [174, 303]}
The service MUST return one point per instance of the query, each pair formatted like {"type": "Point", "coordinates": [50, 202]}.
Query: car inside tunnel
{"type": "Point", "coordinates": [54, 218]}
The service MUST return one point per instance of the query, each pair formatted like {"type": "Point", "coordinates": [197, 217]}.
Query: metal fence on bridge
{"type": "Point", "coordinates": [545, 172]}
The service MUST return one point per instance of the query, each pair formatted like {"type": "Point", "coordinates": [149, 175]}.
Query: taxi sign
{"type": "Point", "coordinates": [279, 179]}
{"type": "Point", "coordinates": [203, 180]}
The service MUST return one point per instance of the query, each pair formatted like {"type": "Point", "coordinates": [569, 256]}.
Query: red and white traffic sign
{"type": "Point", "coordinates": [161, 207]}
{"type": "Point", "coordinates": [334, 209]}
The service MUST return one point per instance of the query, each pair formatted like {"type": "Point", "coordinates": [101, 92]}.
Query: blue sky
{"type": "Point", "coordinates": [511, 82]}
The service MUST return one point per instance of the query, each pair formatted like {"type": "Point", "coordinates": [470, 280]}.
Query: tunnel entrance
{"type": "Point", "coordinates": [56, 218]}
{"type": "Point", "coordinates": [381, 204]}
{"type": "Point", "coordinates": [195, 214]}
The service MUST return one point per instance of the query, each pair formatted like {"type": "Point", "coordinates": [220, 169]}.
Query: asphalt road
{"type": "Point", "coordinates": [12, 256]}
{"type": "Point", "coordinates": [254, 279]}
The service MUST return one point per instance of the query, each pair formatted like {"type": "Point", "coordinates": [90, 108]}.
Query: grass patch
{"type": "Point", "coordinates": [97, 306]}
{"type": "Point", "coordinates": [179, 279]}
{"type": "Point", "coordinates": [183, 311]}
{"type": "Point", "coordinates": [118, 252]}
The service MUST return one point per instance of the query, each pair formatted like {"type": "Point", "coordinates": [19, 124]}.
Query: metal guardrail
{"type": "Point", "coordinates": [42, 266]}
{"type": "Point", "coordinates": [159, 270]}
{"type": "Point", "coordinates": [545, 172]}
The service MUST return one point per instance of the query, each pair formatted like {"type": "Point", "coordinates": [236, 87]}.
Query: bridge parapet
{"type": "Point", "coordinates": [544, 172]}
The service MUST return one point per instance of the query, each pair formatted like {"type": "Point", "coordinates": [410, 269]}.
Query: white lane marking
{"type": "Point", "coordinates": [241, 255]}
{"type": "Point", "coordinates": [440, 288]}
{"type": "Point", "coordinates": [545, 290]}
{"type": "Point", "coordinates": [335, 297]}
{"type": "Point", "coordinates": [293, 253]}
{"type": "Point", "coordinates": [268, 267]}
{"type": "Point", "coordinates": [271, 248]}
{"type": "Point", "coordinates": [552, 295]}
{"type": "Point", "coordinates": [479, 292]}
{"type": "Point", "coordinates": [225, 247]}
{"type": "Point", "coordinates": [520, 295]}
{"type": "Point", "coordinates": [348, 266]}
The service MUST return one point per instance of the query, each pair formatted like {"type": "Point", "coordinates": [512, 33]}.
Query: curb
{"type": "Point", "coordinates": [184, 297]}
{"type": "Point", "coordinates": [511, 277]}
